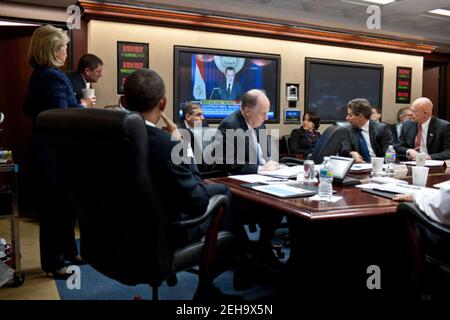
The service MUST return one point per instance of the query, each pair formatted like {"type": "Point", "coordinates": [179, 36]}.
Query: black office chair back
{"type": "Point", "coordinates": [103, 160]}
{"type": "Point", "coordinates": [329, 143]}
{"type": "Point", "coordinates": [286, 145]}
{"type": "Point", "coordinates": [429, 242]}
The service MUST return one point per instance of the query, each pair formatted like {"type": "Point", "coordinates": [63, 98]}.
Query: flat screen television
{"type": "Point", "coordinates": [217, 79]}
{"type": "Point", "coordinates": [330, 84]}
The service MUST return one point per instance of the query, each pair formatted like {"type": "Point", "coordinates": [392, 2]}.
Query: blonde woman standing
{"type": "Point", "coordinates": [50, 88]}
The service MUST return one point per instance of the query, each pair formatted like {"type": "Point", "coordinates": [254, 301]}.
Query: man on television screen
{"type": "Point", "coordinates": [230, 88]}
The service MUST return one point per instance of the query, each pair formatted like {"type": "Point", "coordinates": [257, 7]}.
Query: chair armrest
{"type": "Point", "coordinates": [433, 226]}
{"type": "Point", "coordinates": [289, 161]}
{"type": "Point", "coordinates": [215, 202]}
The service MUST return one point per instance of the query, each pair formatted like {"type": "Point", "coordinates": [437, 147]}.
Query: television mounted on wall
{"type": "Point", "coordinates": [330, 84]}
{"type": "Point", "coordinates": [217, 79]}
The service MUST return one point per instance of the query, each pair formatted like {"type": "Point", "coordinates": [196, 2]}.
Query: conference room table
{"type": "Point", "coordinates": [343, 237]}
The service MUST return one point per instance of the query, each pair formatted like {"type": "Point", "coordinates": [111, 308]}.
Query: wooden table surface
{"type": "Point", "coordinates": [354, 202]}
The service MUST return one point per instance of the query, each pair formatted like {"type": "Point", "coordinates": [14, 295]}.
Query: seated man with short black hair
{"type": "Point", "coordinates": [181, 187]}
{"type": "Point", "coordinates": [367, 138]}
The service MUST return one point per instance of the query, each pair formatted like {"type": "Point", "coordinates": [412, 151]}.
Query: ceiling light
{"type": "Point", "coordinates": [382, 2]}
{"type": "Point", "coordinates": [16, 24]}
{"type": "Point", "coordinates": [442, 12]}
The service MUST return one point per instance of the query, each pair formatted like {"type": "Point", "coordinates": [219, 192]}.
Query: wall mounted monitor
{"type": "Point", "coordinates": [217, 79]}
{"type": "Point", "coordinates": [292, 116]}
{"type": "Point", "coordinates": [330, 84]}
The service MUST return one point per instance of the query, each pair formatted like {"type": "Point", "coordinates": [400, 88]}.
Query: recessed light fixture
{"type": "Point", "coordinates": [442, 12]}
{"type": "Point", "coordinates": [382, 2]}
{"type": "Point", "coordinates": [16, 24]}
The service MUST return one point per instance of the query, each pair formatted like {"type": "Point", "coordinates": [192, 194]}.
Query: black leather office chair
{"type": "Point", "coordinates": [328, 144]}
{"type": "Point", "coordinates": [103, 159]}
{"type": "Point", "coordinates": [429, 245]}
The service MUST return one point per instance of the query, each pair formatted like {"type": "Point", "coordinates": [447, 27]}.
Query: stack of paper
{"type": "Point", "coordinates": [428, 163]}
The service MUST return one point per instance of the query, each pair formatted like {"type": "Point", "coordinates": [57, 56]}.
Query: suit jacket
{"type": "Point", "coordinates": [380, 139]}
{"type": "Point", "coordinates": [237, 163]}
{"type": "Point", "coordinates": [438, 139]}
{"type": "Point", "coordinates": [395, 136]}
{"type": "Point", "coordinates": [196, 145]}
{"type": "Point", "coordinates": [236, 91]}
{"type": "Point", "coordinates": [182, 181]}
{"type": "Point", "coordinates": [48, 88]}
{"type": "Point", "coordinates": [299, 142]}
{"type": "Point", "coordinates": [78, 83]}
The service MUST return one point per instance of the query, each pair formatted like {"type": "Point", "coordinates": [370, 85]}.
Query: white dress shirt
{"type": "Point", "coordinates": [435, 203]}
{"type": "Point", "coordinates": [260, 159]}
{"type": "Point", "coordinates": [423, 137]}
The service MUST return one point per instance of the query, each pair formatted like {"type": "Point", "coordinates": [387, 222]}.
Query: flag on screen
{"type": "Point", "coordinates": [199, 91]}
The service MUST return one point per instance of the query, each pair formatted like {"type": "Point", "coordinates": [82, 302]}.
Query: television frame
{"type": "Point", "coordinates": [224, 52]}
{"type": "Point", "coordinates": [340, 63]}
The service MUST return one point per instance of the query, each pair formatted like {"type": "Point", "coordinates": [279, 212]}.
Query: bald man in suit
{"type": "Point", "coordinates": [425, 133]}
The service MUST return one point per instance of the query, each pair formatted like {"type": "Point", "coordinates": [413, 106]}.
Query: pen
{"type": "Point", "coordinates": [408, 186]}
{"type": "Point", "coordinates": [279, 180]}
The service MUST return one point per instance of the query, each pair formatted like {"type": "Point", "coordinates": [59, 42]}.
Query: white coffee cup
{"type": "Point", "coordinates": [420, 159]}
{"type": "Point", "coordinates": [420, 176]}
{"type": "Point", "coordinates": [87, 93]}
{"type": "Point", "coordinates": [377, 165]}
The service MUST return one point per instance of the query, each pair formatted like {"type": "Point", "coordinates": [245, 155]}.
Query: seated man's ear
{"type": "Point", "coordinates": [162, 104]}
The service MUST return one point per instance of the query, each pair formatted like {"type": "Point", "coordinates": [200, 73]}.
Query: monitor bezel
{"type": "Point", "coordinates": [340, 63]}
{"type": "Point", "coordinates": [214, 51]}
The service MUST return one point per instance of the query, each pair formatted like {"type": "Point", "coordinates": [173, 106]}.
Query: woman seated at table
{"type": "Point", "coordinates": [303, 140]}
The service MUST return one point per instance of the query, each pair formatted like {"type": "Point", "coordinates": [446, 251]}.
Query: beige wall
{"type": "Point", "coordinates": [102, 38]}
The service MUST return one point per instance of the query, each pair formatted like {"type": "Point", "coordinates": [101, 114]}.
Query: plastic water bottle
{"type": "Point", "coordinates": [326, 180]}
{"type": "Point", "coordinates": [391, 155]}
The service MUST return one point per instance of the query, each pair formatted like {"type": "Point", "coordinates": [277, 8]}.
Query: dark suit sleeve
{"type": "Point", "coordinates": [230, 160]}
{"type": "Point", "coordinates": [185, 179]}
{"type": "Point", "coordinates": [403, 144]}
{"type": "Point", "coordinates": [445, 138]}
{"type": "Point", "coordinates": [346, 145]}
{"type": "Point", "coordinates": [386, 140]}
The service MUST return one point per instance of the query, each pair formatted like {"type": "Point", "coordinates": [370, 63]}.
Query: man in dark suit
{"type": "Point", "coordinates": [244, 133]}
{"type": "Point", "coordinates": [403, 115]}
{"type": "Point", "coordinates": [89, 70]}
{"type": "Point", "coordinates": [145, 93]}
{"type": "Point", "coordinates": [425, 133]}
{"type": "Point", "coordinates": [230, 89]}
{"type": "Point", "coordinates": [193, 122]}
{"type": "Point", "coordinates": [367, 138]}
{"type": "Point", "coordinates": [180, 186]}
{"type": "Point", "coordinates": [241, 140]}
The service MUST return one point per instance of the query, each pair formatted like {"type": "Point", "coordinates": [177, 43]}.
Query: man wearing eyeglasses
{"type": "Point", "coordinates": [193, 121]}
{"type": "Point", "coordinates": [425, 133]}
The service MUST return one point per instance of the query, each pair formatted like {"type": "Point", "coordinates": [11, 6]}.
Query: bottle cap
{"type": "Point", "coordinates": [88, 85]}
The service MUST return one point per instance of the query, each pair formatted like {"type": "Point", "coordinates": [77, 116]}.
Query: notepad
{"type": "Point", "coordinates": [282, 190]}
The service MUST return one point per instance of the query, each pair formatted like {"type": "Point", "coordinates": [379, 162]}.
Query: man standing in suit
{"type": "Point", "coordinates": [89, 70]}
{"type": "Point", "coordinates": [367, 138]}
{"type": "Point", "coordinates": [403, 115]}
{"type": "Point", "coordinates": [230, 89]}
{"type": "Point", "coordinates": [425, 133]}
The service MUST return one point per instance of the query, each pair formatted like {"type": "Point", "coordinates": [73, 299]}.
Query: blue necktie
{"type": "Point", "coordinates": [363, 147]}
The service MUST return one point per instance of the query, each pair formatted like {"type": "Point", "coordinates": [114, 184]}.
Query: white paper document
{"type": "Point", "coordinates": [442, 184]}
{"type": "Point", "coordinates": [384, 180]}
{"type": "Point", "coordinates": [361, 167]}
{"type": "Point", "coordinates": [283, 190]}
{"type": "Point", "coordinates": [333, 198]}
{"type": "Point", "coordinates": [428, 163]}
{"type": "Point", "coordinates": [284, 172]}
